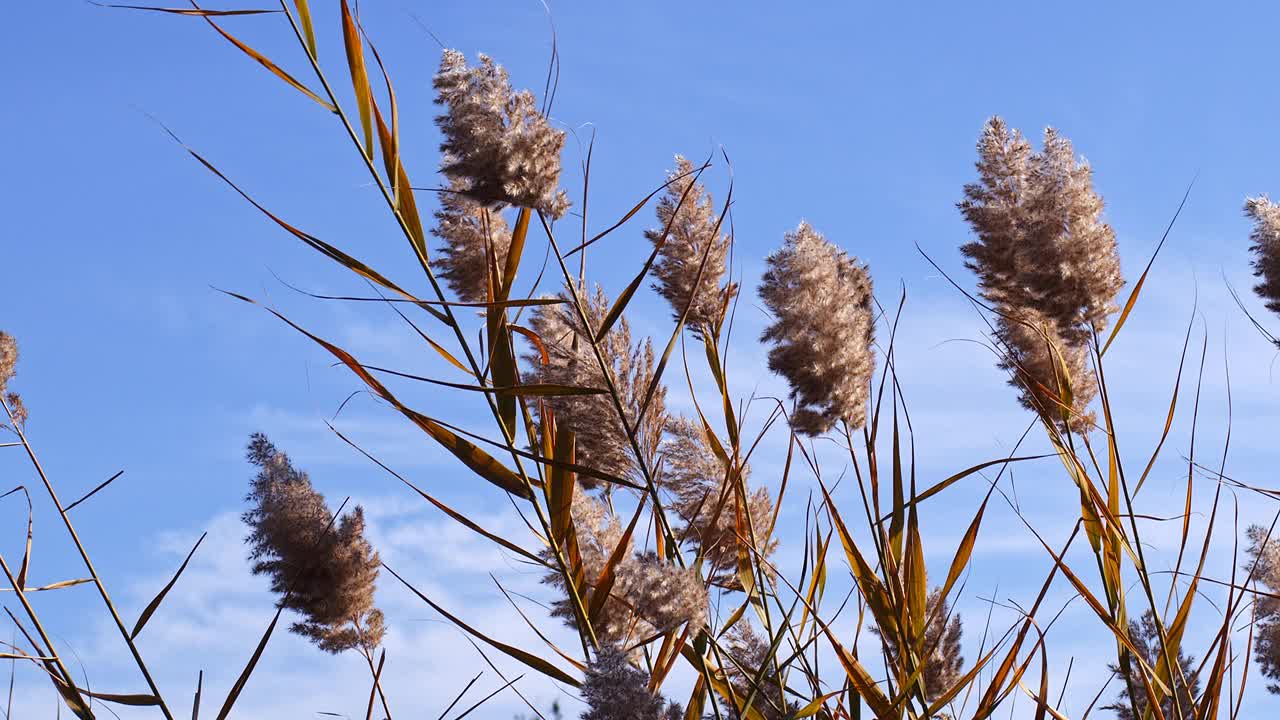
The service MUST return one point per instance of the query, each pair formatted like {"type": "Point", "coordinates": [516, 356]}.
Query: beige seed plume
{"type": "Point", "coordinates": [496, 141]}
{"type": "Point", "coordinates": [648, 596]}
{"type": "Point", "coordinates": [707, 501]}
{"type": "Point", "coordinates": [1266, 248]}
{"type": "Point", "coordinates": [749, 656]}
{"type": "Point", "coordinates": [823, 328]}
{"type": "Point", "coordinates": [1041, 242]}
{"type": "Point", "coordinates": [943, 664]}
{"type": "Point", "coordinates": [614, 689]}
{"type": "Point", "coordinates": [602, 442]}
{"type": "Point", "coordinates": [694, 233]}
{"type": "Point", "coordinates": [8, 368]}
{"type": "Point", "coordinates": [1046, 368]}
{"type": "Point", "coordinates": [331, 573]}
{"type": "Point", "coordinates": [1264, 563]}
{"type": "Point", "coordinates": [471, 234]}
{"type": "Point", "coordinates": [1047, 263]}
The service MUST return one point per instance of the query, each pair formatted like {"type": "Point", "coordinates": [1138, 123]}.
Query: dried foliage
{"type": "Point", "coordinates": [497, 144]}
{"type": "Point", "coordinates": [1186, 681]}
{"type": "Point", "coordinates": [1265, 237]}
{"type": "Point", "coordinates": [822, 331]}
{"type": "Point", "coordinates": [694, 253]}
{"type": "Point", "coordinates": [602, 441]}
{"type": "Point", "coordinates": [1045, 261]}
{"type": "Point", "coordinates": [668, 594]}
{"type": "Point", "coordinates": [325, 573]}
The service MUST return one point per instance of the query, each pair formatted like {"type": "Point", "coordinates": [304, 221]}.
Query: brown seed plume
{"type": "Point", "coordinates": [602, 442]}
{"type": "Point", "coordinates": [331, 573]}
{"type": "Point", "coordinates": [823, 328]}
{"type": "Point", "coordinates": [1046, 262]}
{"type": "Point", "coordinates": [1266, 248]}
{"type": "Point", "coordinates": [497, 143]}
{"type": "Point", "coordinates": [694, 234]}
{"type": "Point", "coordinates": [471, 234]}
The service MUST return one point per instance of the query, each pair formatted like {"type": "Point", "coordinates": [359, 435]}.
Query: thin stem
{"type": "Point", "coordinates": [84, 555]}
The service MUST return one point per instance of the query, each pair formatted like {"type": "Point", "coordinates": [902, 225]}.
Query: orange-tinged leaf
{"type": "Point", "coordinates": [359, 75]}
{"type": "Point", "coordinates": [480, 462]}
{"type": "Point", "coordinates": [304, 16]}
{"type": "Point", "coordinates": [265, 62]}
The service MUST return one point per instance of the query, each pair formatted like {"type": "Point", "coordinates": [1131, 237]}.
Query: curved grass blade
{"type": "Point", "coordinates": [265, 62]}
{"type": "Point", "coordinates": [184, 11]}
{"type": "Point", "coordinates": [94, 491]}
{"type": "Point", "coordinates": [527, 658]}
{"type": "Point", "coordinates": [155, 602]}
{"type": "Point", "coordinates": [1137, 288]}
{"type": "Point", "coordinates": [480, 462]}
{"type": "Point", "coordinates": [133, 700]}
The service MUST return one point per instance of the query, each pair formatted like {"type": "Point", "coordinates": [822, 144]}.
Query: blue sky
{"type": "Point", "coordinates": [860, 118]}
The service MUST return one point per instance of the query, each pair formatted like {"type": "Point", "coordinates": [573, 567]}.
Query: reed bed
{"type": "Point", "coordinates": [656, 533]}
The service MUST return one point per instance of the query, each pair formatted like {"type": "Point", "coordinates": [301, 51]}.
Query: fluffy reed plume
{"type": "Point", "coordinates": [471, 233]}
{"type": "Point", "coordinates": [694, 233]}
{"type": "Point", "coordinates": [602, 441]}
{"type": "Point", "coordinates": [1264, 561]}
{"type": "Point", "coordinates": [1266, 248]}
{"type": "Point", "coordinates": [1047, 368]}
{"type": "Point", "coordinates": [1041, 242]}
{"type": "Point", "coordinates": [614, 689]}
{"type": "Point", "coordinates": [331, 574]}
{"type": "Point", "coordinates": [943, 664]}
{"type": "Point", "coordinates": [1186, 681]}
{"type": "Point", "coordinates": [497, 143]}
{"type": "Point", "coordinates": [823, 328]}
{"type": "Point", "coordinates": [749, 654]}
{"type": "Point", "coordinates": [8, 368]}
{"type": "Point", "coordinates": [707, 498]}
{"type": "Point", "coordinates": [1044, 259]}
{"type": "Point", "coordinates": [648, 595]}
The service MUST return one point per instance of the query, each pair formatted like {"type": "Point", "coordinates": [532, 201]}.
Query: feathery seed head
{"type": "Point", "coordinates": [497, 143]}
{"type": "Point", "coordinates": [8, 368]}
{"type": "Point", "coordinates": [1266, 248]}
{"type": "Point", "coordinates": [471, 235]}
{"type": "Point", "coordinates": [331, 571]}
{"type": "Point", "coordinates": [1041, 243]}
{"type": "Point", "coordinates": [707, 498]}
{"type": "Point", "coordinates": [1047, 368]}
{"type": "Point", "coordinates": [1264, 563]}
{"type": "Point", "coordinates": [1186, 680]}
{"type": "Point", "coordinates": [694, 234]}
{"type": "Point", "coordinates": [614, 689]}
{"type": "Point", "coordinates": [943, 664]}
{"type": "Point", "coordinates": [648, 595]}
{"type": "Point", "coordinates": [823, 328]}
{"type": "Point", "coordinates": [602, 442]}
